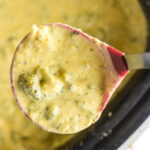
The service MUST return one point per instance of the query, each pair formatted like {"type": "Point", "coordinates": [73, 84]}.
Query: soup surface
{"type": "Point", "coordinates": [116, 22]}
{"type": "Point", "coordinates": [59, 79]}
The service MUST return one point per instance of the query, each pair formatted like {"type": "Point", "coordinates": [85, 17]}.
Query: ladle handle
{"type": "Point", "coordinates": [138, 61]}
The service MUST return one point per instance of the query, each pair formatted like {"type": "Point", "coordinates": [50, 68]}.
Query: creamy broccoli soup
{"type": "Point", "coordinates": [99, 18]}
{"type": "Point", "coordinates": [59, 79]}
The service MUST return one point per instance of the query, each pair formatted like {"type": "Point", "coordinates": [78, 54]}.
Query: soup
{"type": "Point", "coordinates": [116, 22]}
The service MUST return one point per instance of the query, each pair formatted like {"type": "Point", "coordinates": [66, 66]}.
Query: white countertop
{"type": "Point", "coordinates": [140, 139]}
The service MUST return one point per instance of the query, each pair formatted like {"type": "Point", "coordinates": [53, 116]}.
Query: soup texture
{"type": "Point", "coordinates": [59, 78]}
{"type": "Point", "coordinates": [119, 23]}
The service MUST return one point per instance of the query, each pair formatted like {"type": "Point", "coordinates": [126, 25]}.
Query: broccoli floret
{"type": "Point", "coordinates": [30, 85]}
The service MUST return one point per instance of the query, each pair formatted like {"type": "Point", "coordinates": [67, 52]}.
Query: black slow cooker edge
{"type": "Point", "coordinates": [128, 125]}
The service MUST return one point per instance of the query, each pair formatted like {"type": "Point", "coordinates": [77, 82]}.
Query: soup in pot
{"type": "Point", "coordinates": [116, 22]}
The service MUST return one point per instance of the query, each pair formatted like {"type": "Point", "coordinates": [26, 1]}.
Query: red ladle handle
{"type": "Point", "coordinates": [120, 65]}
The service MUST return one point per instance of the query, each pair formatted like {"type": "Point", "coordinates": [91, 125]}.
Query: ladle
{"type": "Point", "coordinates": [118, 64]}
